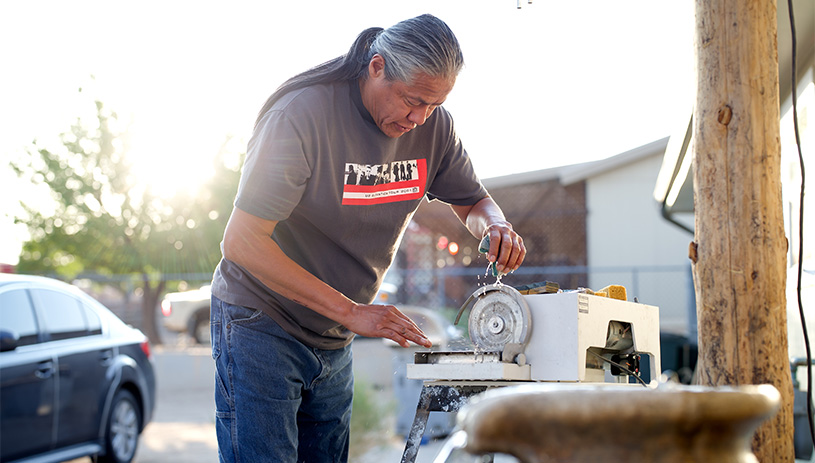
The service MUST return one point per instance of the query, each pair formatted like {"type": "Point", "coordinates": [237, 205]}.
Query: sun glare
{"type": "Point", "coordinates": [169, 170]}
{"type": "Point", "coordinates": [170, 176]}
{"type": "Point", "coordinates": [171, 159]}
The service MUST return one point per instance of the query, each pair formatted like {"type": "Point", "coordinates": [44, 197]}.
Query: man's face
{"type": "Point", "coordinates": [397, 107]}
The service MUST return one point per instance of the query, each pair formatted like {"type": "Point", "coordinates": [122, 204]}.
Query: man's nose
{"type": "Point", "coordinates": [419, 115]}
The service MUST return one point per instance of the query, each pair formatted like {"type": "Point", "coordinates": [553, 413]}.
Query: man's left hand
{"type": "Point", "coordinates": [507, 248]}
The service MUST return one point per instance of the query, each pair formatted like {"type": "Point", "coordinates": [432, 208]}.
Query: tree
{"type": "Point", "coordinates": [103, 221]}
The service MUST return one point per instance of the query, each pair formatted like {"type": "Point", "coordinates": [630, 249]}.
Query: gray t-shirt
{"type": "Point", "coordinates": [342, 193]}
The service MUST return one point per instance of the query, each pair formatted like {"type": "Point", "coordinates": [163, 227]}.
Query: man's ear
{"type": "Point", "coordinates": [376, 67]}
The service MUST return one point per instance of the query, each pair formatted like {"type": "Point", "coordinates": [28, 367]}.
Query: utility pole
{"type": "Point", "coordinates": [739, 252]}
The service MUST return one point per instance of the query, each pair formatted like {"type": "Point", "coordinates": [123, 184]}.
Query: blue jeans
{"type": "Point", "coordinates": [276, 399]}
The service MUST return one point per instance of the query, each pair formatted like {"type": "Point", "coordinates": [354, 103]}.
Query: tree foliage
{"type": "Point", "coordinates": [105, 221]}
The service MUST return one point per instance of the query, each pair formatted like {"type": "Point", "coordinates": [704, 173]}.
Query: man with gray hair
{"type": "Point", "coordinates": [341, 157]}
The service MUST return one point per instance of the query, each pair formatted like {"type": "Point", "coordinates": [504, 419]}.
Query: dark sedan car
{"type": "Point", "coordinates": [74, 379]}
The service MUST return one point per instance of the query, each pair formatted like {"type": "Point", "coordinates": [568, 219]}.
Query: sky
{"type": "Point", "coordinates": [544, 85]}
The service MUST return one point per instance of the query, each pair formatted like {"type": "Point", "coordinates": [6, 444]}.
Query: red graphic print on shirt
{"type": "Point", "coordinates": [366, 184]}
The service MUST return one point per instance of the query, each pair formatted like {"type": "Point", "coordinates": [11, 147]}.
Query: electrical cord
{"type": "Point", "coordinates": [621, 367]}
{"type": "Point", "coordinates": [800, 220]}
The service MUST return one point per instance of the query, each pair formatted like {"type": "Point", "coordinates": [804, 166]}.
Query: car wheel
{"type": "Point", "coordinates": [200, 327]}
{"type": "Point", "coordinates": [122, 436]}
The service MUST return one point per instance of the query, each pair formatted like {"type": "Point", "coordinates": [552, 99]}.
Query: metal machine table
{"type": "Point", "coordinates": [442, 396]}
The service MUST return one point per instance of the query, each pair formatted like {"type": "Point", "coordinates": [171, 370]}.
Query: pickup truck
{"type": "Point", "coordinates": [188, 312]}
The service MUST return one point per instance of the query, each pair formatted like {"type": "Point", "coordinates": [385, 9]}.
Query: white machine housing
{"type": "Point", "coordinates": [562, 327]}
{"type": "Point", "coordinates": [565, 325]}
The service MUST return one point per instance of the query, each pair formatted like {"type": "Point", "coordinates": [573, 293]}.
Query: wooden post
{"type": "Point", "coordinates": [740, 247]}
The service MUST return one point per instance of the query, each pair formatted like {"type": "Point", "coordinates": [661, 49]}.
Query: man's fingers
{"type": "Point", "coordinates": [398, 339]}
{"type": "Point", "coordinates": [410, 330]}
{"type": "Point", "coordinates": [410, 333]}
{"type": "Point", "coordinates": [510, 251]}
{"type": "Point", "coordinates": [416, 336]}
{"type": "Point", "coordinates": [516, 254]}
{"type": "Point", "coordinates": [405, 338]}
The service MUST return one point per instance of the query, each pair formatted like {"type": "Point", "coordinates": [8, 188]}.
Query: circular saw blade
{"type": "Point", "coordinates": [498, 318]}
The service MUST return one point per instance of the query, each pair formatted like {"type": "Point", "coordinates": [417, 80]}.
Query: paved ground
{"type": "Point", "coordinates": [183, 429]}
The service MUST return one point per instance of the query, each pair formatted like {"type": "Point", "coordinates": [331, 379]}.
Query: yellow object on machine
{"type": "Point", "coordinates": [612, 291]}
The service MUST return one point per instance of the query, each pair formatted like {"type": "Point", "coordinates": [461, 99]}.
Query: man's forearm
{"type": "Point", "coordinates": [247, 242]}
{"type": "Point", "coordinates": [480, 216]}
{"type": "Point", "coordinates": [484, 214]}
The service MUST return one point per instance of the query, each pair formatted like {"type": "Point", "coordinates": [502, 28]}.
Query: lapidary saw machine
{"type": "Point", "coordinates": [539, 333]}
{"type": "Point", "coordinates": [574, 336]}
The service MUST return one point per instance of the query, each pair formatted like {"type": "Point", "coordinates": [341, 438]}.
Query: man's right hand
{"type": "Point", "coordinates": [385, 321]}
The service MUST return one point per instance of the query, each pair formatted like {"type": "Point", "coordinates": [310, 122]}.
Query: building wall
{"type": "Point", "coordinates": [551, 219]}
{"type": "Point", "coordinates": [629, 243]}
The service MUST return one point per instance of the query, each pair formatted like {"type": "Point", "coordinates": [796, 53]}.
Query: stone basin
{"type": "Point", "coordinates": [671, 423]}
